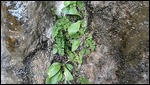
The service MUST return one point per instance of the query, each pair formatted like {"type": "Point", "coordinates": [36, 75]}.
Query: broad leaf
{"type": "Point", "coordinates": [48, 80]}
{"type": "Point", "coordinates": [66, 3]}
{"type": "Point", "coordinates": [80, 4]}
{"type": "Point", "coordinates": [53, 69]}
{"type": "Point", "coordinates": [54, 50]}
{"type": "Point", "coordinates": [65, 10]}
{"type": "Point", "coordinates": [55, 78]}
{"type": "Point", "coordinates": [68, 75]}
{"type": "Point", "coordinates": [74, 28]}
{"type": "Point", "coordinates": [73, 11]}
{"type": "Point", "coordinates": [76, 35]}
{"type": "Point", "coordinates": [73, 2]}
{"type": "Point", "coordinates": [75, 45]}
{"type": "Point", "coordinates": [69, 66]}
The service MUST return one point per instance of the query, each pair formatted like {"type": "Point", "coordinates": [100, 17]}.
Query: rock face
{"type": "Point", "coordinates": [121, 32]}
{"type": "Point", "coordinates": [25, 40]}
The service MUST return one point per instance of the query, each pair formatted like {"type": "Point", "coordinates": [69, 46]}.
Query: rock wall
{"type": "Point", "coordinates": [121, 32]}
{"type": "Point", "coordinates": [25, 40]}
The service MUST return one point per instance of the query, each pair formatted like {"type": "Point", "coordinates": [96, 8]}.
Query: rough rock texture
{"type": "Point", "coordinates": [25, 40]}
{"type": "Point", "coordinates": [121, 32]}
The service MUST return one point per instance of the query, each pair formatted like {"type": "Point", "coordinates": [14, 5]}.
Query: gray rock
{"type": "Point", "coordinates": [122, 39]}
{"type": "Point", "coordinates": [121, 32]}
{"type": "Point", "coordinates": [26, 50]}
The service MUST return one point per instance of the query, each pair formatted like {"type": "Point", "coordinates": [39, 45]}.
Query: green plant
{"type": "Point", "coordinates": [83, 80]}
{"type": "Point", "coordinates": [59, 72]}
{"type": "Point", "coordinates": [68, 34]}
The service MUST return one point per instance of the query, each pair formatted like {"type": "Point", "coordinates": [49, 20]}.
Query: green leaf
{"type": "Point", "coordinates": [60, 44]}
{"type": "Point", "coordinates": [54, 50]}
{"type": "Point", "coordinates": [71, 55]}
{"type": "Point", "coordinates": [61, 52]}
{"type": "Point", "coordinates": [86, 44]}
{"type": "Point", "coordinates": [68, 75]}
{"type": "Point", "coordinates": [54, 32]}
{"type": "Point", "coordinates": [84, 80]}
{"type": "Point", "coordinates": [55, 78]}
{"type": "Point", "coordinates": [83, 23]}
{"type": "Point", "coordinates": [87, 52]}
{"type": "Point", "coordinates": [81, 53]}
{"type": "Point", "coordinates": [65, 10]}
{"type": "Point", "coordinates": [66, 3]}
{"type": "Point", "coordinates": [73, 2]}
{"type": "Point", "coordinates": [69, 66]}
{"type": "Point", "coordinates": [82, 30]}
{"type": "Point", "coordinates": [88, 41]}
{"type": "Point", "coordinates": [89, 37]}
{"type": "Point", "coordinates": [80, 4]}
{"type": "Point", "coordinates": [53, 69]}
{"type": "Point", "coordinates": [56, 28]}
{"type": "Point", "coordinates": [75, 45]}
{"type": "Point", "coordinates": [76, 35]}
{"type": "Point", "coordinates": [92, 45]}
{"type": "Point", "coordinates": [75, 54]}
{"type": "Point", "coordinates": [48, 80]}
{"type": "Point", "coordinates": [63, 78]}
{"type": "Point", "coordinates": [74, 28]}
{"type": "Point", "coordinates": [73, 11]}
{"type": "Point", "coordinates": [78, 58]}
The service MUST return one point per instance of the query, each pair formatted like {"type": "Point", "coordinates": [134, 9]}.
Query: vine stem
{"type": "Point", "coordinates": [66, 62]}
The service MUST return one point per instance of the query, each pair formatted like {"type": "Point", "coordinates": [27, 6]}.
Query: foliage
{"type": "Point", "coordinates": [57, 72]}
{"type": "Point", "coordinates": [84, 80]}
{"type": "Point", "coordinates": [67, 33]}
{"type": "Point", "coordinates": [70, 8]}
{"type": "Point", "coordinates": [74, 28]}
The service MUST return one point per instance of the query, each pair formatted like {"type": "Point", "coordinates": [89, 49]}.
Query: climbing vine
{"type": "Point", "coordinates": [72, 42]}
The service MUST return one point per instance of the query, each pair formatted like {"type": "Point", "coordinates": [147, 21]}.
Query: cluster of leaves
{"type": "Point", "coordinates": [67, 35]}
{"type": "Point", "coordinates": [90, 44]}
{"type": "Point", "coordinates": [70, 8]}
{"type": "Point", "coordinates": [56, 72]}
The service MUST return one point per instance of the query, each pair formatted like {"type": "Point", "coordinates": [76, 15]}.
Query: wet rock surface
{"type": "Point", "coordinates": [120, 29]}
{"type": "Point", "coordinates": [121, 32]}
{"type": "Point", "coordinates": [25, 41]}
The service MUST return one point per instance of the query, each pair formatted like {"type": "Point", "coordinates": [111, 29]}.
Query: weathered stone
{"type": "Point", "coordinates": [25, 41]}
{"type": "Point", "coordinates": [121, 32]}
{"type": "Point", "coordinates": [122, 43]}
